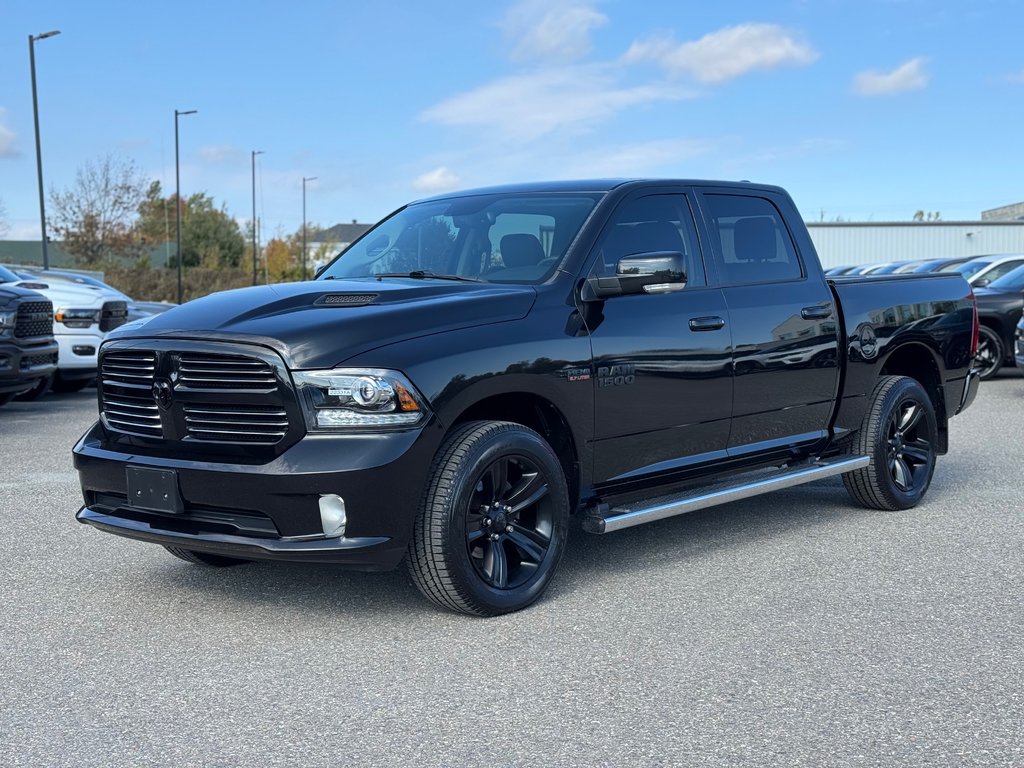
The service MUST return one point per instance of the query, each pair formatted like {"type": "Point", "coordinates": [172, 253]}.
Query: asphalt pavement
{"type": "Point", "coordinates": [790, 630]}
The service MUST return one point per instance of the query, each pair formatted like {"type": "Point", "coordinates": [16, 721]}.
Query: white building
{"type": "Point", "coordinates": [851, 243]}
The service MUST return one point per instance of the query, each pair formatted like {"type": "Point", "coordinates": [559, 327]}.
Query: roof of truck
{"type": "Point", "coordinates": [589, 185]}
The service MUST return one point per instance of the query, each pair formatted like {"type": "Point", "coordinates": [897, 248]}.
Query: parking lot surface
{"type": "Point", "coordinates": [793, 629]}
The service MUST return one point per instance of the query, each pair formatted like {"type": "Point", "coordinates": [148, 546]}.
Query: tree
{"type": "Point", "coordinates": [209, 236]}
{"type": "Point", "coordinates": [279, 261]}
{"type": "Point", "coordinates": [95, 215]}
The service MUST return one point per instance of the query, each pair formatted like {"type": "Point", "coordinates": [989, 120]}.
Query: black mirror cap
{"type": "Point", "coordinates": [653, 272]}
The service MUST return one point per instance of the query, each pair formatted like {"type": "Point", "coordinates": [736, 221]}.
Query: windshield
{"type": "Point", "coordinates": [503, 238]}
{"type": "Point", "coordinates": [1011, 281]}
{"type": "Point", "coordinates": [6, 276]}
{"type": "Point", "coordinates": [972, 268]}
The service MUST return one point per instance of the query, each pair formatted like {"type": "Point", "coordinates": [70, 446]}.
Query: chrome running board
{"type": "Point", "coordinates": [649, 510]}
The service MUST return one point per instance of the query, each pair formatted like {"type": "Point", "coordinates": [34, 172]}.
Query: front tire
{"type": "Point", "coordinates": [204, 558]}
{"type": "Point", "coordinates": [493, 521]}
{"type": "Point", "coordinates": [991, 352]}
{"type": "Point", "coordinates": [899, 433]}
{"type": "Point", "coordinates": [37, 390]}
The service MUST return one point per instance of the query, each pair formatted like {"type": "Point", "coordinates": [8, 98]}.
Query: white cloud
{"type": "Point", "coordinates": [552, 29]}
{"type": "Point", "coordinates": [441, 179]}
{"type": "Point", "coordinates": [1016, 77]}
{"type": "Point", "coordinates": [7, 136]}
{"type": "Point", "coordinates": [646, 158]}
{"type": "Point", "coordinates": [219, 153]}
{"type": "Point", "coordinates": [909, 76]}
{"type": "Point", "coordinates": [727, 53]}
{"type": "Point", "coordinates": [528, 106]}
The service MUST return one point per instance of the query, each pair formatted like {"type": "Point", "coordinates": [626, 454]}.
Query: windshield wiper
{"type": "Point", "coordinates": [425, 274]}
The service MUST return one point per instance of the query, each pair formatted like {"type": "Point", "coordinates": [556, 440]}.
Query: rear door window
{"type": "Point", "coordinates": [753, 243]}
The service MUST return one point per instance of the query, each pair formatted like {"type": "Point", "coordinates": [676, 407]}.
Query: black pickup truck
{"type": "Point", "coordinates": [28, 351]}
{"type": "Point", "coordinates": [482, 367]}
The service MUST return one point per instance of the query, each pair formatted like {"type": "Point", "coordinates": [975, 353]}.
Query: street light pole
{"type": "Point", "coordinates": [39, 152]}
{"type": "Point", "coordinates": [255, 247]}
{"type": "Point", "coordinates": [304, 180]}
{"type": "Point", "coordinates": [177, 195]}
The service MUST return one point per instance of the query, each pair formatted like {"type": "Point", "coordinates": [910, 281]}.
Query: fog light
{"type": "Point", "coordinates": [332, 515]}
{"type": "Point", "coordinates": [82, 349]}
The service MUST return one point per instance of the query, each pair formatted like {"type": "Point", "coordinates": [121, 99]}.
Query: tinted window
{"type": "Point", "coordinates": [1011, 281]}
{"type": "Point", "coordinates": [650, 224]}
{"type": "Point", "coordinates": [754, 245]}
{"type": "Point", "coordinates": [497, 238]}
{"type": "Point", "coordinates": [1003, 269]}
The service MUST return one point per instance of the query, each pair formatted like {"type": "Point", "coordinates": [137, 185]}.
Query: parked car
{"type": "Point", "coordinates": [991, 269]}
{"type": "Point", "coordinates": [136, 309]}
{"type": "Point", "coordinates": [82, 317]}
{"type": "Point", "coordinates": [940, 265]}
{"type": "Point", "coordinates": [999, 310]}
{"type": "Point", "coordinates": [836, 271]}
{"type": "Point", "coordinates": [480, 366]}
{"type": "Point", "coordinates": [28, 351]}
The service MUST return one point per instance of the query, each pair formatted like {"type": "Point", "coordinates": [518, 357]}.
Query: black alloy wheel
{"type": "Point", "coordinates": [493, 520]}
{"type": "Point", "coordinates": [910, 453]}
{"type": "Point", "coordinates": [899, 435]}
{"type": "Point", "coordinates": [509, 522]}
{"type": "Point", "coordinates": [991, 351]}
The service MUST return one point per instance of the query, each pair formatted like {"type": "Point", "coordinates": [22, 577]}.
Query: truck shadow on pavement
{"type": "Point", "coordinates": [339, 592]}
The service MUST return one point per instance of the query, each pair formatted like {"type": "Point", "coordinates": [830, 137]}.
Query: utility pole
{"type": "Point", "coordinates": [177, 194]}
{"type": "Point", "coordinates": [255, 244]}
{"type": "Point", "coordinates": [39, 151]}
{"type": "Point", "coordinates": [304, 180]}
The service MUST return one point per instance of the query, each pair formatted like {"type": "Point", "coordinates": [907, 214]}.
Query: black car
{"type": "Point", "coordinates": [999, 310]}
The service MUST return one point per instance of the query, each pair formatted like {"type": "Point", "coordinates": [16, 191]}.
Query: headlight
{"type": "Point", "coordinates": [7, 321]}
{"type": "Point", "coordinates": [77, 318]}
{"type": "Point", "coordinates": [343, 398]}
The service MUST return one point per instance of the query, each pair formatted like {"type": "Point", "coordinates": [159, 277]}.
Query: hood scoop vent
{"type": "Point", "coordinates": [346, 299]}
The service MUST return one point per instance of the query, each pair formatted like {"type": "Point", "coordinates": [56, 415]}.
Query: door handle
{"type": "Point", "coordinates": [706, 323]}
{"type": "Point", "coordinates": [816, 312]}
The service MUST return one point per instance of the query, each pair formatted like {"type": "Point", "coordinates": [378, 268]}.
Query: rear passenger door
{"type": "Point", "coordinates": [784, 322]}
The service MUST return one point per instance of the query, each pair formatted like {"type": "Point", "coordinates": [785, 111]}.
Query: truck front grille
{"type": "Point", "coordinates": [215, 371]}
{"type": "Point", "coordinates": [193, 396]}
{"type": "Point", "coordinates": [35, 318]}
{"type": "Point", "coordinates": [113, 315]}
{"type": "Point", "coordinates": [236, 423]}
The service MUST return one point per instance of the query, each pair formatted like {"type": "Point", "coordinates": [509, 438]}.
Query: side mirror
{"type": "Point", "coordinates": [654, 272]}
{"type": "Point", "coordinates": [982, 283]}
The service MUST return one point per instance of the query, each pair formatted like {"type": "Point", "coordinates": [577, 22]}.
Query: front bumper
{"type": "Point", "coordinates": [78, 350]}
{"type": "Point", "coordinates": [21, 367]}
{"type": "Point", "coordinates": [270, 511]}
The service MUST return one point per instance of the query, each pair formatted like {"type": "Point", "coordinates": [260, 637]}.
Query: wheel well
{"type": "Point", "coordinates": [918, 363]}
{"type": "Point", "coordinates": [542, 417]}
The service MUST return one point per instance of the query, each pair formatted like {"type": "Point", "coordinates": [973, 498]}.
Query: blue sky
{"type": "Point", "coordinates": [865, 110]}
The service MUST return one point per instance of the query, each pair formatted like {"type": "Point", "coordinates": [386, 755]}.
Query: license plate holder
{"type": "Point", "coordinates": [154, 490]}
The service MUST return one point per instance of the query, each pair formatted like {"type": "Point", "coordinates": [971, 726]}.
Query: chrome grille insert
{"type": "Point", "coordinates": [217, 371]}
{"type": "Point", "coordinates": [225, 423]}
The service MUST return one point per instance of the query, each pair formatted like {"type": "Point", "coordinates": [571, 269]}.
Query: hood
{"type": "Point", "coordinates": [11, 291]}
{"type": "Point", "coordinates": [322, 323]}
{"type": "Point", "coordinates": [66, 295]}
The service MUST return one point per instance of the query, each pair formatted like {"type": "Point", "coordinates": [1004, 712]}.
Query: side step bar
{"type": "Point", "coordinates": [649, 510]}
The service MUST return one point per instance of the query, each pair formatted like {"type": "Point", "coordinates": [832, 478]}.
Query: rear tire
{"type": "Point", "coordinates": [493, 520]}
{"type": "Point", "coordinates": [204, 558]}
{"type": "Point", "coordinates": [991, 352]}
{"type": "Point", "coordinates": [899, 433]}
